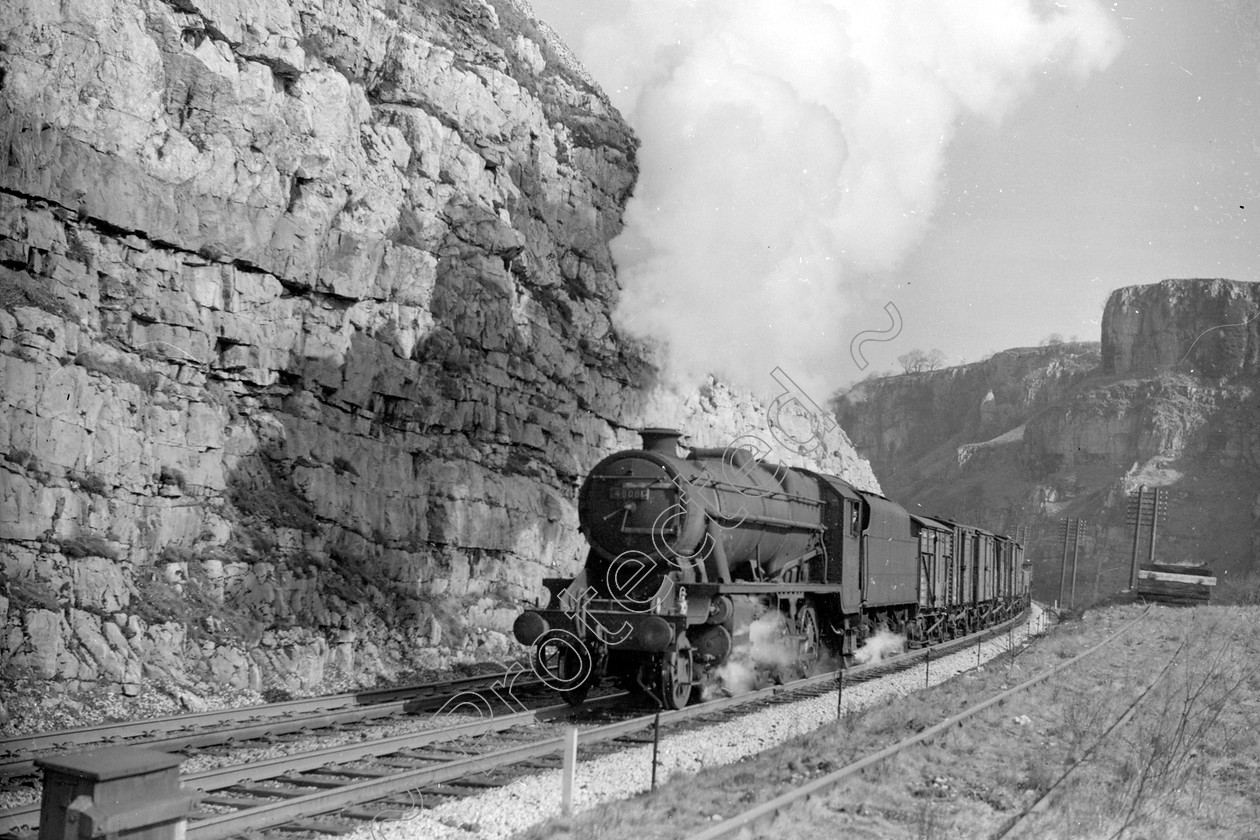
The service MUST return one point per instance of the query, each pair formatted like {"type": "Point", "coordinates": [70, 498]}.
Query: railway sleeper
{"type": "Point", "coordinates": [429, 755]}
{"type": "Point", "coordinates": [317, 780]}
{"type": "Point", "coordinates": [483, 783]}
{"type": "Point", "coordinates": [410, 764]}
{"type": "Point", "coordinates": [452, 790]}
{"type": "Point", "coordinates": [372, 812]}
{"type": "Point", "coordinates": [320, 826]}
{"type": "Point", "coordinates": [363, 772]}
{"type": "Point", "coordinates": [631, 739]}
{"type": "Point", "coordinates": [546, 762]}
{"type": "Point", "coordinates": [282, 791]}
{"type": "Point", "coordinates": [225, 801]}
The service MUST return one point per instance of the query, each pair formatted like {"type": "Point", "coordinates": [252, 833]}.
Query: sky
{"type": "Point", "coordinates": [990, 168]}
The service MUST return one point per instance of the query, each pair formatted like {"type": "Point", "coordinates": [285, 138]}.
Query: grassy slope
{"type": "Point", "coordinates": [1187, 766]}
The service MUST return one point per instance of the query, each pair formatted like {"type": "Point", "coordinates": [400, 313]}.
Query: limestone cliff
{"type": "Point", "coordinates": [898, 420]}
{"type": "Point", "coordinates": [304, 333]}
{"type": "Point", "coordinates": [1170, 402]}
{"type": "Point", "coordinates": [1202, 327]}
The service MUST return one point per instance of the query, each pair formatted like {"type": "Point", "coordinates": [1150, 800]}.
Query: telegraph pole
{"type": "Point", "coordinates": [1076, 547]}
{"type": "Point", "coordinates": [1135, 512]}
{"type": "Point", "coordinates": [1063, 570]}
{"type": "Point", "coordinates": [1160, 512]}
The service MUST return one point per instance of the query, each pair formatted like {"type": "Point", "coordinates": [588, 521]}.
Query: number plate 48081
{"type": "Point", "coordinates": [622, 493]}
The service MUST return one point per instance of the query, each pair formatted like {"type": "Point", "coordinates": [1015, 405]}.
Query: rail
{"type": "Point", "coordinates": [178, 732]}
{"type": "Point", "coordinates": [338, 795]}
{"type": "Point", "coordinates": [732, 826]}
{"type": "Point", "coordinates": [1044, 800]}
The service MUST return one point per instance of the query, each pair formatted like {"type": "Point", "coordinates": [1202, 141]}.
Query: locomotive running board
{"type": "Point", "coordinates": [767, 588]}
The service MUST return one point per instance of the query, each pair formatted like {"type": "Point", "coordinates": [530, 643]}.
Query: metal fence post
{"type": "Point", "coordinates": [839, 693]}
{"type": "Point", "coordinates": [656, 744]}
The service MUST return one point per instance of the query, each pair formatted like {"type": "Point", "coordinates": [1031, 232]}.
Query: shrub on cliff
{"type": "Point", "coordinates": [88, 545]}
{"type": "Point", "coordinates": [119, 369]}
{"type": "Point", "coordinates": [18, 290]}
{"type": "Point", "coordinates": [270, 499]}
{"type": "Point", "coordinates": [90, 482]}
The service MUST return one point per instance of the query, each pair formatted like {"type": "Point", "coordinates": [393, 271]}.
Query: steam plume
{"type": "Point", "coordinates": [790, 145]}
{"type": "Point", "coordinates": [767, 653]}
{"type": "Point", "coordinates": [883, 643]}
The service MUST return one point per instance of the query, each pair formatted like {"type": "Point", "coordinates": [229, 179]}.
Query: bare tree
{"type": "Point", "coordinates": [917, 361]}
{"type": "Point", "coordinates": [913, 361]}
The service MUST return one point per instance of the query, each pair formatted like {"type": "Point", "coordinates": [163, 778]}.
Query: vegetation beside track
{"type": "Point", "coordinates": [1187, 764]}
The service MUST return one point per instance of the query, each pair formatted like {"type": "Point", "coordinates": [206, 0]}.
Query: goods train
{"type": "Point", "coordinates": [686, 544]}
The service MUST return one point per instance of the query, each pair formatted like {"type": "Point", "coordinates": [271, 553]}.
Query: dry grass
{"type": "Point", "coordinates": [1187, 765]}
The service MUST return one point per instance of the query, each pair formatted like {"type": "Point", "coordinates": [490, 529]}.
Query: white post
{"type": "Point", "coordinates": [569, 770]}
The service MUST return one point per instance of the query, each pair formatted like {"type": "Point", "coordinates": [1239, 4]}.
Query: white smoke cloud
{"type": "Point", "coordinates": [789, 145]}
{"type": "Point", "coordinates": [767, 656]}
{"type": "Point", "coordinates": [880, 645]}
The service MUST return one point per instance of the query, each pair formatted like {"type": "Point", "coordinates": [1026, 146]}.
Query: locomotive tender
{"type": "Point", "coordinates": [685, 545]}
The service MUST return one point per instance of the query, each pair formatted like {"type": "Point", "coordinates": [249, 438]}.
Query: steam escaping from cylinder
{"type": "Point", "coordinates": [793, 149]}
{"type": "Point", "coordinates": [884, 643]}
{"type": "Point", "coordinates": [765, 653]}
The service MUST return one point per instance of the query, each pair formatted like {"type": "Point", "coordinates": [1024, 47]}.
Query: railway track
{"type": "Point", "coordinates": [333, 790]}
{"type": "Point", "coordinates": [740, 824]}
{"type": "Point", "coordinates": [177, 733]}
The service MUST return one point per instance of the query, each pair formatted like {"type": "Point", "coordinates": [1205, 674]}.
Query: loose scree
{"type": "Point", "coordinates": [689, 545]}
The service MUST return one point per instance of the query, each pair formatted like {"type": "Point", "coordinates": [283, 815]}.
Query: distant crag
{"type": "Point", "coordinates": [1202, 327]}
{"type": "Point", "coordinates": [1169, 399]}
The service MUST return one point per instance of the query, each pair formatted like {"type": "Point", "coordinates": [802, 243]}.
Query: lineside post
{"type": "Point", "coordinates": [1076, 548]}
{"type": "Point", "coordinates": [1136, 516]}
{"type": "Point", "coordinates": [1159, 507]}
{"type": "Point", "coordinates": [570, 770]}
{"type": "Point", "coordinates": [656, 744]}
{"type": "Point", "coordinates": [1067, 526]}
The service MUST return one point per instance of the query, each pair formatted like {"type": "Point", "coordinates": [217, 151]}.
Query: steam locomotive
{"type": "Point", "coordinates": [686, 545]}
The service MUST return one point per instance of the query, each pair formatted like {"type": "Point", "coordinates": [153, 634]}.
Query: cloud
{"type": "Point", "coordinates": [789, 146]}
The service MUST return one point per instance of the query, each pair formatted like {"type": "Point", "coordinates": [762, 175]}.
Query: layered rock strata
{"type": "Point", "coordinates": [304, 334]}
{"type": "Point", "coordinates": [1201, 327]}
{"type": "Point", "coordinates": [897, 420]}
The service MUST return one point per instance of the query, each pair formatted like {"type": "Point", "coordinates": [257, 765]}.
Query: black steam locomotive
{"type": "Point", "coordinates": [685, 545]}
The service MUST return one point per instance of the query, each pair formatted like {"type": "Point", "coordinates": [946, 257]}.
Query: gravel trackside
{"type": "Point", "coordinates": [503, 812]}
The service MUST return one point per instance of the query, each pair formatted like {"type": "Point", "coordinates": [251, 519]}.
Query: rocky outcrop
{"type": "Point", "coordinates": [1173, 405]}
{"type": "Point", "coordinates": [304, 332]}
{"type": "Point", "coordinates": [1203, 327]}
{"type": "Point", "coordinates": [897, 420]}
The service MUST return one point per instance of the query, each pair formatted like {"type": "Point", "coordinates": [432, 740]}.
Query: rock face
{"type": "Point", "coordinates": [1172, 404]}
{"type": "Point", "coordinates": [897, 421]}
{"type": "Point", "coordinates": [304, 332]}
{"type": "Point", "coordinates": [1204, 327]}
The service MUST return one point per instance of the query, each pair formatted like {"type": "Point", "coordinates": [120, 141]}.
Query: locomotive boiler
{"type": "Point", "coordinates": [686, 542]}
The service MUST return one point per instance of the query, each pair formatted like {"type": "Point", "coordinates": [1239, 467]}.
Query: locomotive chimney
{"type": "Point", "coordinates": [661, 441]}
